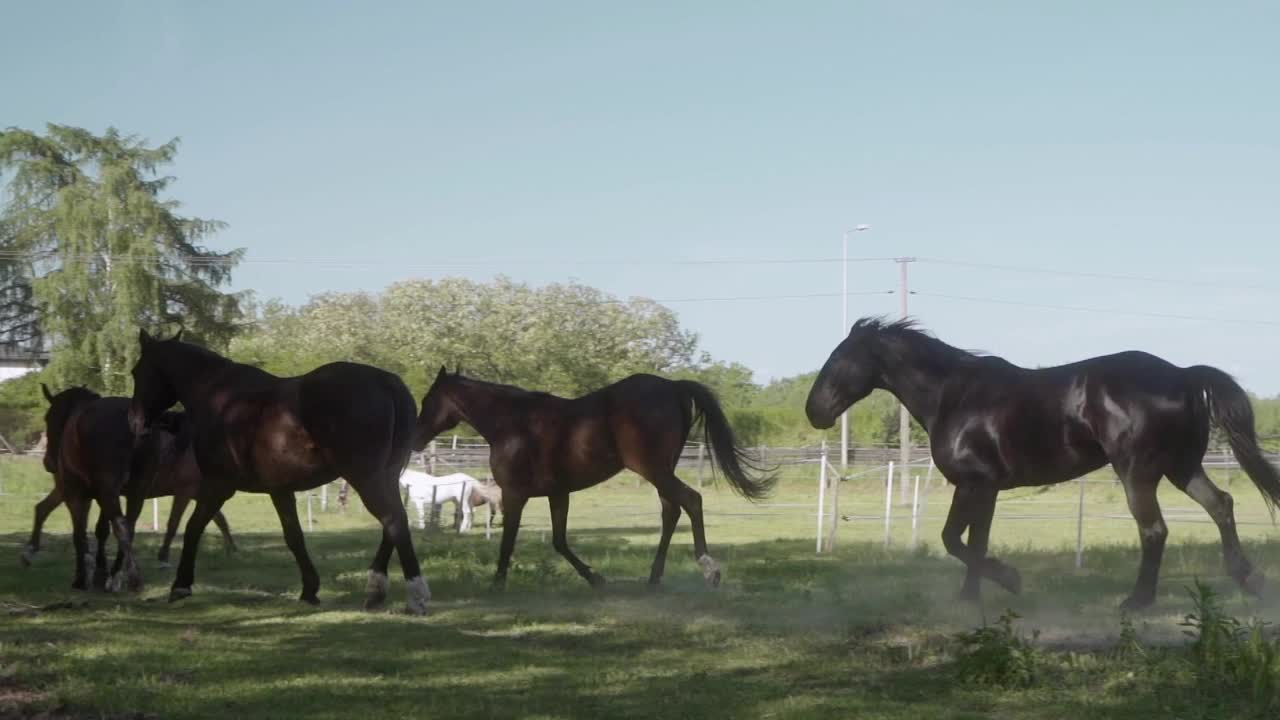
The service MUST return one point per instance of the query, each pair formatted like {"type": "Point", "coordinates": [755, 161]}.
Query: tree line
{"type": "Point", "coordinates": [92, 247]}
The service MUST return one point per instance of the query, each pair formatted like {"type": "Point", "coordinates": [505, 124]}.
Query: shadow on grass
{"type": "Point", "coordinates": [790, 634]}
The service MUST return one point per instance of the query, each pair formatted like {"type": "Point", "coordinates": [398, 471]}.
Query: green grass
{"type": "Point", "coordinates": [864, 632]}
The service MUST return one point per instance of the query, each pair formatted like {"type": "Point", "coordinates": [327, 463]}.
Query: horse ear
{"type": "Point", "coordinates": [47, 395]}
{"type": "Point", "coordinates": [442, 374]}
{"type": "Point", "coordinates": [144, 337]}
{"type": "Point", "coordinates": [179, 335]}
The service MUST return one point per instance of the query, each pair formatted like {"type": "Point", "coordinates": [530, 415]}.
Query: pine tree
{"type": "Point", "coordinates": [88, 229]}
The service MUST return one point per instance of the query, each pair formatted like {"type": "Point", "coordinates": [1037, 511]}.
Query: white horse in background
{"type": "Point", "coordinates": [466, 493]}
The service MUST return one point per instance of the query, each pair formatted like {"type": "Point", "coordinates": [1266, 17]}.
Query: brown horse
{"type": "Point", "coordinates": [89, 453]}
{"type": "Point", "coordinates": [256, 432]}
{"type": "Point", "coordinates": [164, 466]}
{"type": "Point", "coordinates": [541, 445]}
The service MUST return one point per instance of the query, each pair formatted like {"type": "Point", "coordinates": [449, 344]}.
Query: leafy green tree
{"type": "Point", "coordinates": [21, 409]}
{"type": "Point", "coordinates": [104, 251]}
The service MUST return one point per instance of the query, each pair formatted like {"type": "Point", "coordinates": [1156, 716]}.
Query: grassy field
{"type": "Point", "coordinates": [864, 632]}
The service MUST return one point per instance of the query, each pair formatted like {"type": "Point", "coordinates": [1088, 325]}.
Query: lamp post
{"type": "Point", "coordinates": [844, 330]}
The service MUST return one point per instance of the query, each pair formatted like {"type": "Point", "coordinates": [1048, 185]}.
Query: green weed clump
{"type": "Point", "coordinates": [998, 655]}
{"type": "Point", "coordinates": [1229, 655]}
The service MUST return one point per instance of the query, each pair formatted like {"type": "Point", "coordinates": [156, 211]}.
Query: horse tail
{"type": "Point", "coordinates": [735, 462]}
{"type": "Point", "coordinates": [403, 422]}
{"type": "Point", "coordinates": [1230, 409]}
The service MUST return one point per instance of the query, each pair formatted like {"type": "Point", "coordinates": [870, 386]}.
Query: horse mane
{"type": "Point", "coordinates": [512, 391]}
{"type": "Point", "coordinates": [902, 340]}
{"type": "Point", "coordinates": [77, 394]}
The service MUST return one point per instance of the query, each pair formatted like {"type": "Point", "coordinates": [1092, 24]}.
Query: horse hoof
{"type": "Point", "coordinates": [311, 599]}
{"type": "Point", "coordinates": [163, 565]}
{"type": "Point", "coordinates": [27, 556]}
{"type": "Point", "coordinates": [418, 596]}
{"type": "Point", "coordinates": [113, 584]}
{"type": "Point", "coordinates": [376, 590]}
{"type": "Point", "coordinates": [710, 571]}
{"type": "Point", "coordinates": [596, 581]}
{"type": "Point", "coordinates": [78, 585]}
{"type": "Point", "coordinates": [179, 593]}
{"type": "Point", "coordinates": [133, 579]}
{"type": "Point", "coordinates": [101, 581]}
{"type": "Point", "coordinates": [1138, 602]}
{"type": "Point", "coordinates": [969, 595]}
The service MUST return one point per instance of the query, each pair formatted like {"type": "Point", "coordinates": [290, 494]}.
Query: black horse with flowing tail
{"type": "Point", "coordinates": [541, 445]}
{"type": "Point", "coordinates": [993, 426]}
{"type": "Point", "coordinates": [163, 465]}
{"type": "Point", "coordinates": [260, 433]}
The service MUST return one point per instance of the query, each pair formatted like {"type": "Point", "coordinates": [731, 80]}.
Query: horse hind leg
{"type": "Point", "coordinates": [179, 507]}
{"type": "Point", "coordinates": [1140, 485]}
{"type": "Point", "coordinates": [101, 533]}
{"type": "Point", "coordinates": [381, 498]}
{"type": "Point", "coordinates": [42, 511]}
{"type": "Point", "coordinates": [1218, 503]}
{"type": "Point", "coordinates": [690, 501]}
{"type": "Point", "coordinates": [670, 517]}
{"type": "Point", "coordinates": [228, 542]}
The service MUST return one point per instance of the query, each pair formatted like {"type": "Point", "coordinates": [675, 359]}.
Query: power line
{"type": "Point", "coordinates": [1106, 311]}
{"type": "Point", "coordinates": [757, 297]}
{"type": "Point", "coordinates": [1098, 275]}
{"type": "Point", "coordinates": [441, 264]}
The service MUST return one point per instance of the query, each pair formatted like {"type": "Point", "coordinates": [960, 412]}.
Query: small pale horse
{"type": "Point", "coordinates": [466, 493]}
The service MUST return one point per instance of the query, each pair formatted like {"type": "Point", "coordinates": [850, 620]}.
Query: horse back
{"type": "Point", "coordinates": [97, 441]}
{"type": "Point", "coordinates": [341, 419]}
{"type": "Point", "coordinates": [1049, 425]}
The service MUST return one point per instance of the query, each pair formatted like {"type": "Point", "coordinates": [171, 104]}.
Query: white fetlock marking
{"type": "Point", "coordinates": [709, 566]}
{"type": "Point", "coordinates": [115, 582]}
{"type": "Point", "coordinates": [378, 583]}
{"type": "Point", "coordinates": [28, 553]}
{"type": "Point", "coordinates": [418, 596]}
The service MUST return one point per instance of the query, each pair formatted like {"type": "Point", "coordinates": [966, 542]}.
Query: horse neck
{"type": "Point", "coordinates": [189, 370]}
{"type": "Point", "coordinates": [484, 406]}
{"type": "Point", "coordinates": [916, 371]}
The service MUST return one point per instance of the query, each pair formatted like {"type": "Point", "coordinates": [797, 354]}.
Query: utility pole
{"type": "Point", "coordinates": [844, 331]}
{"type": "Point", "coordinates": [904, 420]}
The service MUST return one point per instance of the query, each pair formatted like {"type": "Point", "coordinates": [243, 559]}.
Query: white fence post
{"type": "Point", "coordinates": [702, 449]}
{"type": "Point", "coordinates": [155, 514]}
{"type": "Point", "coordinates": [324, 497]}
{"type": "Point", "coordinates": [1080, 528]}
{"type": "Point", "coordinates": [888, 504]}
{"type": "Point", "coordinates": [915, 512]}
{"type": "Point", "coordinates": [835, 506]}
{"type": "Point", "coordinates": [822, 495]}
{"type": "Point", "coordinates": [311, 525]}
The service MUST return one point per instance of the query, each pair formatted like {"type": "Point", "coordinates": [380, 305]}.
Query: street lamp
{"type": "Point", "coordinates": [844, 330]}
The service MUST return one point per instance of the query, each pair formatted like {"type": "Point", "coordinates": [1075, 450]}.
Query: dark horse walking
{"type": "Point", "coordinates": [88, 452]}
{"type": "Point", "coordinates": [162, 466]}
{"type": "Point", "coordinates": [993, 426]}
{"type": "Point", "coordinates": [260, 433]}
{"type": "Point", "coordinates": [541, 445]}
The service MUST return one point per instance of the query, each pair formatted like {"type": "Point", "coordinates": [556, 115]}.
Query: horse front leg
{"type": "Point", "coordinates": [206, 508]}
{"type": "Point", "coordinates": [287, 509]}
{"type": "Point", "coordinates": [512, 509]}
{"type": "Point", "coordinates": [973, 507]}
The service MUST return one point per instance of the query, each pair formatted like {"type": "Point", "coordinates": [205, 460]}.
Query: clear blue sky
{"type": "Point", "coordinates": [1138, 138]}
